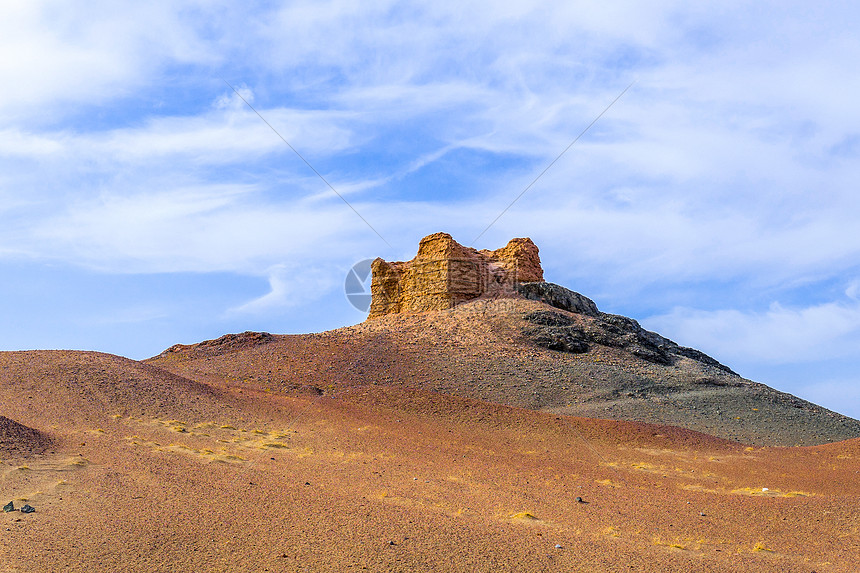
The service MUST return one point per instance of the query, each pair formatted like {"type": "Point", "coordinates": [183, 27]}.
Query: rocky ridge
{"type": "Point", "coordinates": [485, 326]}
{"type": "Point", "coordinates": [557, 331]}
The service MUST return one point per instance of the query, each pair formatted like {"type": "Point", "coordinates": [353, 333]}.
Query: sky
{"type": "Point", "coordinates": [143, 203]}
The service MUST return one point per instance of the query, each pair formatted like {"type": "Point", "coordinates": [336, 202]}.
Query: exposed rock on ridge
{"type": "Point", "coordinates": [559, 297]}
{"type": "Point", "coordinates": [444, 274]}
{"type": "Point", "coordinates": [558, 331]}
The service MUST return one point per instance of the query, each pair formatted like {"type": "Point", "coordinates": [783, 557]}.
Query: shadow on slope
{"type": "Point", "coordinates": [18, 440]}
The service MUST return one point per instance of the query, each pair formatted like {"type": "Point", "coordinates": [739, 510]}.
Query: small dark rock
{"type": "Point", "coordinates": [28, 509]}
{"type": "Point", "coordinates": [9, 507]}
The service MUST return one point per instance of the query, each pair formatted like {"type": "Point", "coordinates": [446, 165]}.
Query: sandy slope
{"type": "Point", "coordinates": [150, 471]}
{"type": "Point", "coordinates": [19, 440]}
{"type": "Point", "coordinates": [479, 350]}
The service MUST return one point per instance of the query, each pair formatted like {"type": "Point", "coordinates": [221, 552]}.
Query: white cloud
{"type": "Point", "coordinates": [289, 286]}
{"type": "Point", "coordinates": [61, 53]}
{"type": "Point", "coordinates": [221, 135]}
{"type": "Point", "coordinates": [198, 229]}
{"type": "Point", "coordinates": [15, 142]}
{"type": "Point", "coordinates": [778, 335]}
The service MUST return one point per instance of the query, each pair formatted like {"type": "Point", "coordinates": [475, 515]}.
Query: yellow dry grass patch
{"type": "Point", "coordinates": [680, 543]}
{"type": "Point", "coordinates": [612, 531]}
{"type": "Point", "coordinates": [699, 487]}
{"type": "Point", "coordinates": [223, 456]}
{"type": "Point", "coordinates": [767, 492]}
{"type": "Point", "coordinates": [763, 492]}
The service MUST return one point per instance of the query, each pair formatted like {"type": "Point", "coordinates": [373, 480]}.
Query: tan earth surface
{"type": "Point", "coordinates": [367, 448]}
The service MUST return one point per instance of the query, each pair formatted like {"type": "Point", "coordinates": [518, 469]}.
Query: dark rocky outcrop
{"type": "Point", "coordinates": [557, 331]}
{"type": "Point", "coordinates": [558, 296]}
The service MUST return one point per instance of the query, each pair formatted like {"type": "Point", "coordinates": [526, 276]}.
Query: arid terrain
{"type": "Point", "coordinates": [443, 441]}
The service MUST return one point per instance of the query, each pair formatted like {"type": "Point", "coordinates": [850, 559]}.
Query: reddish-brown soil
{"type": "Point", "coordinates": [19, 440]}
{"type": "Point", "coordinates": [261, 464]}
{"type": "Point", "coordinates": [478, 350]}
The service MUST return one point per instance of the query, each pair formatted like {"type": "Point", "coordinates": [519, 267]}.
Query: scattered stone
{"type": "Point", "coordinates": [28, 509]}
{"type": "Point", "coordinates": [557, 546]}
{"type": "Point", "coordinates": [580, 500]}
{"type": "Point", "coordinates": [9, 507]}
{"type": "Point", "coordinates": [548, 318]}
{"type": "Point", "coordinates": [561, 338]}
{"type": "Point", "coordinates": [391, 543]}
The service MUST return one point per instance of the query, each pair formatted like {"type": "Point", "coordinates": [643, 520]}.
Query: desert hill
{"type": "Point", "coordinates": [150, 471]}
{"type": "Point", "coordinates": [493, 351]}
{"type": "Point", "coordinates": [500, 430]}
{"type": "Point", "coordinates": [459, 321]}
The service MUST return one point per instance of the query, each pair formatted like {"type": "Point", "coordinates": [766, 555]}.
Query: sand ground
{"type": "Point", "coordinates": [147, 471]}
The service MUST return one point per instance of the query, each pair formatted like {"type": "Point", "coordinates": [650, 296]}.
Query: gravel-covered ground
{"type": "Point", "coordinates": [486, 350]}
{"type": "Point", "coordinates": [150, 471]}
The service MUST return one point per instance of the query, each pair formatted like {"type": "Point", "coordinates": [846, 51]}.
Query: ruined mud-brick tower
{"type": "Point", "coordinates": [444, 274]}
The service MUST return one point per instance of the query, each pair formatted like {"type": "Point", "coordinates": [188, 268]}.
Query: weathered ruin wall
{"type": "Point", "coordinates": [444, 273]}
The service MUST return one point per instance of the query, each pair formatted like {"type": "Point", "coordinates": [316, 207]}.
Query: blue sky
{"type": "Point", "coordinates": [142, 203]}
